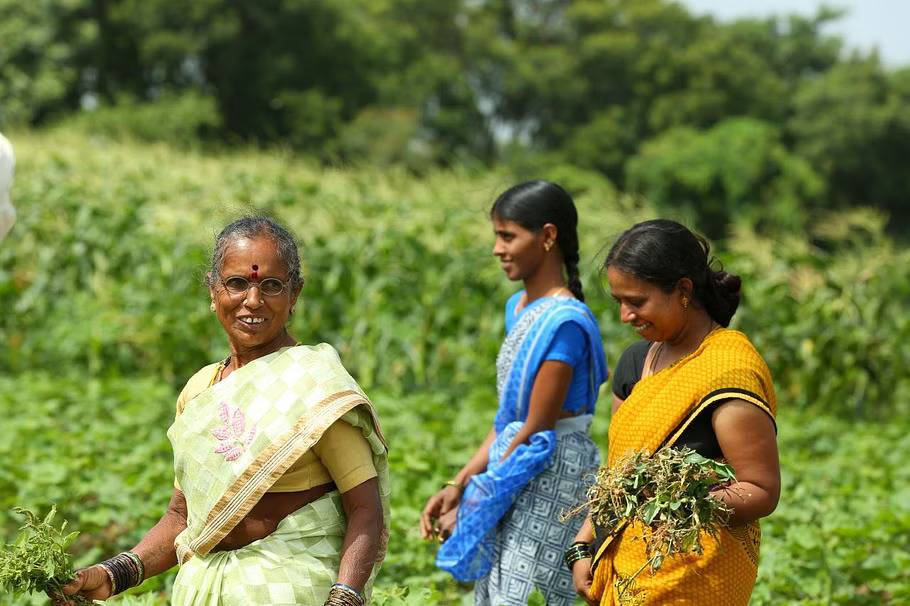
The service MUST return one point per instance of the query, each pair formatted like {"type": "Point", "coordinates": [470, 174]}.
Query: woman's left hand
{"type": "Point", "coordinates": [445, 525]}
{"type": "Point", "coordinates": [581, 579]}
{"type": "Point", "coordinates": [437, 506]}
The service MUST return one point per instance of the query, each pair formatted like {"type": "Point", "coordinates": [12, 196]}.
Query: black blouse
{"type": "Point", "coordinates": [699, 435]}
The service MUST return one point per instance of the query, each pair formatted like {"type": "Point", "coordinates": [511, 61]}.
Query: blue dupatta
{"type": "Point", "coordinates": [468, 553]}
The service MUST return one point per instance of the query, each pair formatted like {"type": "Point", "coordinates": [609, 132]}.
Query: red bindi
{"type": "Point", "coordinates": [255, 274]}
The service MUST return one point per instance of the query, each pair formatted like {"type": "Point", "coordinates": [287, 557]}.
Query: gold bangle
{"type": "Point", "coordinates": [454, 483]}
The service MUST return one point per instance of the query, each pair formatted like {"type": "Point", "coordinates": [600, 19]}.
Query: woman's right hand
{"type": "Point", "coordinates": [91, 583]}
{"type": "Point", "coordinates": [581, 579]}
{"type": "Point", "coordinates": [438, 505]}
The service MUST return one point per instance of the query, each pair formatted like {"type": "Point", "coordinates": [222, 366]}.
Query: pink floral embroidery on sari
{"type": "Point", "coordinates": [233, 437]}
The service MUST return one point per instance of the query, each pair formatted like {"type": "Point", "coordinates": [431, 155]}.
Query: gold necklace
{"type": "Point", "coordinates": [660, 348]}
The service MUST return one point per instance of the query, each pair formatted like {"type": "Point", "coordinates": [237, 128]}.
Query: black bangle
{"type": "Point", "coordinates": [578, 550]}
{"type": "Point", "coordinates": [124, 571]}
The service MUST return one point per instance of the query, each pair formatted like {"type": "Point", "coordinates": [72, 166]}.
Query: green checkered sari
{"type": "Point", "coordinates": [231, 444]}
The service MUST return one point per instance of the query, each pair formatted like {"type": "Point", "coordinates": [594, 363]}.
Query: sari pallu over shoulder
{"type": "Point", "coordinates": [468, 553]}
{"type": "Point", "coordinates": [656, 413]}
{"type": "Point", "coordinates": [236, 438]}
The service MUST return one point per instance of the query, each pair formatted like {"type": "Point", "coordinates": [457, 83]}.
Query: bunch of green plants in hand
{"type": "Point", "coordinates": [670, 493]}
{"type": "Point", "coordinates": [37, 560]}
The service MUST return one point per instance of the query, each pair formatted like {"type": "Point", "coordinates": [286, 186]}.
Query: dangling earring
{"type": "Point", "coordinates": [685, 303]}
{"type": "Point", "coordinates": [212, 306]}
{"type": "Point", "coordinates": [292, 311]}
{"type": "Point", "coordinates": [547, 246]}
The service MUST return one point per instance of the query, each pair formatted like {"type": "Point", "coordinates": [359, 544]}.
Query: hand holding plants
{"type": "Point", "coordinates": [37, 559]}
{"type": "Point", "coordinates": [670, 492]}
{"type": "Point", "coordinates": [438, 517]}
{"type": "Point", "coordinates": [88, 584]}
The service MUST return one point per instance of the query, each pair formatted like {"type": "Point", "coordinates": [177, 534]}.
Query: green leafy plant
{"type": "Point", "coordinates": [37, 559]}
{"type": "Point", "coordinates": [668, 492]}
{"type": "Point", "coordinates": [537, 598]}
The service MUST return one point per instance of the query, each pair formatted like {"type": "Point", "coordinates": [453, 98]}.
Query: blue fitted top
{"type": "Point", "coordinates": [570, 346]}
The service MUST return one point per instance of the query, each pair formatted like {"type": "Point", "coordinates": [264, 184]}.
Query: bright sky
{"type": "Point", "coordinates": [868, 24]}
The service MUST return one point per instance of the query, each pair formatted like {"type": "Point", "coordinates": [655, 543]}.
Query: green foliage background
{"type": "Point", "coordinates": [723, 117]}
{"type": "Point", "coordinates": [106, 316]}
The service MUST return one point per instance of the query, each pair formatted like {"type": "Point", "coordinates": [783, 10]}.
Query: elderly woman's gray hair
{"type": "Point", "coordinates": [252, 227]}
{"type": "Point", "coordinates": [7, 164]}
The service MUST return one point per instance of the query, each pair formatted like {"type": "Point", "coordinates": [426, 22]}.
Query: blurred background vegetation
{"type": "Point", "coordinates": [757, 116]}
{"type": "Point", "coordinates": [380, 132]}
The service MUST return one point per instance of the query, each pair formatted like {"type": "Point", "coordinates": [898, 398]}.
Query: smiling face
{"type": "Point", "coordinates": [254, 322]}
{"type": "Point", "coordinates": [520, 251]}
{"type": "Point", "coordinates": [656, 315]}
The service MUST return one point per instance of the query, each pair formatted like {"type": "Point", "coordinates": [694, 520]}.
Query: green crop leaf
{"type": "Point", "coordinates": [649, 512]}
{"type": "Point", "coordinates": [696, 459]}
{"type": "Point", "coordinates": [37, 561]}
{"type": "Point", "coordinates": [537, 598]}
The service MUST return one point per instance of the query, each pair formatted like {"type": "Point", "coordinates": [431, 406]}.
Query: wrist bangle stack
{"type": "Point", "coordinates": [110, 575]}
{"type": "Point", "coordinates": [579, 550]}
{"type": "Point", "coordinates": [140, 567]}
{"type": "Point", "coordinates": [125, 570]}
{"type": "Point", "coordinates": [344, 595]}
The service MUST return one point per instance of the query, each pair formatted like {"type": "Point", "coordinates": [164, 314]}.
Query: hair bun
{"type": "Point", "coordinates": [729, 284]}
{"type": "Point", "coordinates": [662, 252]}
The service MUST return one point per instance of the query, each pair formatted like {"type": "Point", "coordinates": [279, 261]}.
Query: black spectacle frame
{"type": "Point", "coordinates": [238, 285]}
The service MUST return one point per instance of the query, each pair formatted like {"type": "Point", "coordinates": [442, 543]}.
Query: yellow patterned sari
{"type": "Point", "coordinates": [656, 413]}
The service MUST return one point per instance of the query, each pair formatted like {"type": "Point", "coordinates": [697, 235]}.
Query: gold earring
{"type": "Point", "coordinates": [685, 303]}
{"type": "Point", "coordinates": [212, 306]}
{"type": "Point", "coordinates": [547, 246]}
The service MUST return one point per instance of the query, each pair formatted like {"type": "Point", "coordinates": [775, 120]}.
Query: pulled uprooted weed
{"type": "Point", "coordinates": [669, 492]}
{"type": "Point", "coordinates": [37, 561]}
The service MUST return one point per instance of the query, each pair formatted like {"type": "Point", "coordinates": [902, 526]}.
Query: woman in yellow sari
{"type": "Point", "coordinates": [692, 382]}
{"type": "Point", "coordinates": [281, 477]}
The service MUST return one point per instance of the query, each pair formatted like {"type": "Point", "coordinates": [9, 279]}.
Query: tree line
{"type": "Point", "coordinates": [765, 117]}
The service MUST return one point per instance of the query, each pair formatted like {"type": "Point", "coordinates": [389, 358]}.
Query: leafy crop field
{"type": "Point", "coordinates": [106, 316]}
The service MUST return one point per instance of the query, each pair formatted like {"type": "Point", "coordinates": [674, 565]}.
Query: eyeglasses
{"type": "Point", "coordinates": [238, 285]}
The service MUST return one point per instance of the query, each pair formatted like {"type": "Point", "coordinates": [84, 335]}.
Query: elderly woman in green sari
{"type": "Point", "coordinates": [281, 480]}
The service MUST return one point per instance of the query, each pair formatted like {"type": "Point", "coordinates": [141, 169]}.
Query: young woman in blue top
{"type": "Point", "coordinates": [499, 518]}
